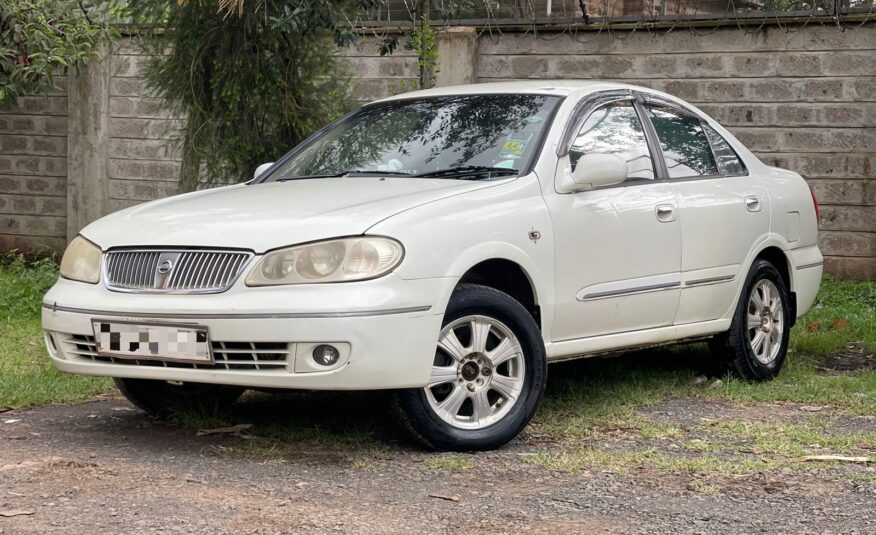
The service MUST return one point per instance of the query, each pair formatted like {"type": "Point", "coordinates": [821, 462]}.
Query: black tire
{"type": "Point", "coordinates": [163, 399]}
{"type": "Point", "coordinates": [430, 429]}
{"type": "Point", "coordinates": [734, 347]}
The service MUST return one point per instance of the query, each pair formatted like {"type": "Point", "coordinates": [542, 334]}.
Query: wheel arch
{"type": "Point", "coordinates": [509, 277]}
{"type": "Point", "coordinates": [774, 250]}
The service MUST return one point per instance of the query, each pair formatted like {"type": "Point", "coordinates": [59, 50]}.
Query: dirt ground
{"type": "Point", "coordinates": [103, 467]}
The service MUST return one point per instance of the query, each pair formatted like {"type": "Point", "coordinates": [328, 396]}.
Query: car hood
{"type": "Point", "coordinates": [266, 216]}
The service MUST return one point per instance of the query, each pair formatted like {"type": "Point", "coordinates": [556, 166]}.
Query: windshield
{"type": "Point", "coordinates": [458, 136]}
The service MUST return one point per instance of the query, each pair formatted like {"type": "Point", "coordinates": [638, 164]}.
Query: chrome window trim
{"type": "Point", "coordinates": [168, 291]}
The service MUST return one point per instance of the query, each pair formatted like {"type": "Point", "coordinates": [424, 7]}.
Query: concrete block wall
{"type": "Point", "coordinates": [142, 160]}
{"type": "Point", "coordinates": [33, 172]}
{"type": "Point", "coordinates": [802, 97]}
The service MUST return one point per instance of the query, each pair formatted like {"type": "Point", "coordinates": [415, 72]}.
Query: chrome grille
{"type": "Point", "coordinates": [184, 271]}
{"type": "Point", "coordinates": [262, 356]}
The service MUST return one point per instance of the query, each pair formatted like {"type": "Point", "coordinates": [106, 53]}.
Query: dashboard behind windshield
{"type": "Point", "coordinates": [454, 136]}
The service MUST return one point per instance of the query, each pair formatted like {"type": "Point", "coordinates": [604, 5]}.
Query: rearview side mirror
{"type": "Point", "coordinates": [593, 171]}
{"type": "Point", "coordinates": [261, 169]}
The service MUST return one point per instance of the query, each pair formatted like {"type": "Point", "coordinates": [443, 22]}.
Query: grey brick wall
{"type": "Point", "coordinates": [33, 172]}
{"type": "Point", "coordinates": [141, 160]}
{"type": "Point", "coordinates": [803, 99]}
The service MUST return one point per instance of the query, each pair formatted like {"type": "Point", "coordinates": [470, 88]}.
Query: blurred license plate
{"type": "Point", "coordinates": [155, 341]}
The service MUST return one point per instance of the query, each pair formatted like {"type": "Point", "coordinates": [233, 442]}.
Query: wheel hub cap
{"type": "Point", "coordinates": [469, 371]}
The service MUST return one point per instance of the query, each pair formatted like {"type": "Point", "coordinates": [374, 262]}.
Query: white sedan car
{"type": "Point", "coordinates": [448, 244]}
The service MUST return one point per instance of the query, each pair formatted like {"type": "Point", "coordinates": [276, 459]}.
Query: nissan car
{"type": "Point", "coordinates": [448, 244]}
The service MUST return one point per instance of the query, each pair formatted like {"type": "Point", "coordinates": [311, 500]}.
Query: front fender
{"type": "Point", "coordinates": [446, 238]}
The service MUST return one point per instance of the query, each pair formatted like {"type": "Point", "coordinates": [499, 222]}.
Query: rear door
{"type": "Point", "coordinates": [723, 210]}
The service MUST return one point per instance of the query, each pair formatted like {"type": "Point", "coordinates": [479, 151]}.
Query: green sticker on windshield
{"type": "Point", "coordinates": [513, 147]}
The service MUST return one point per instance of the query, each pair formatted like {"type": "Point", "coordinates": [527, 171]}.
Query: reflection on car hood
{"type": "Point", "coordinates": [266, 216]}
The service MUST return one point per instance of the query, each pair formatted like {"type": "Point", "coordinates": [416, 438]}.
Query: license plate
{"type": "Point", "coordinates": [186, 343]}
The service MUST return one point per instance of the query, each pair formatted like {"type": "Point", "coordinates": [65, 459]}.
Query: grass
{"type": "Point", "coordinates": [595, 410]}
{"type": "Point", "coordinates": [27, 376]}
{"type": "Point", "coordinates": [450, 463]}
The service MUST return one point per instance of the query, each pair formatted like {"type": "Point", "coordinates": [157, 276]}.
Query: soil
{"type": "Point", "coordinates": [852, 358]}
{"type": "Point", "coordinates": [103, 467]}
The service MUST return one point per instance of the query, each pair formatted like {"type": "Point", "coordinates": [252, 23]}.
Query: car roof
{"type": "Point", "coordinates": [539, 87]}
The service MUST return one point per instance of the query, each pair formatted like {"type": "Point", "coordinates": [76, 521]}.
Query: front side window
{"type": "Point", "coordinates": [725, 157]}
{"type": "Point", "coordinates": [456, 136]}
{"type": "Point", "coordinates": [685, 146]}
{"type": "Point", "coordinates": [615, 129]}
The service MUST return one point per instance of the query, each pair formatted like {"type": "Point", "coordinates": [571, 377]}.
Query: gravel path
{"type": "Point", "coordinates": [103, 467]}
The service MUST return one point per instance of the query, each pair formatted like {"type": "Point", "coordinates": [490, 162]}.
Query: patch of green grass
{"type": "Point", "coordinates": [453, 463]}
{"type": "Point", "coordinates": [838, 301]}
{"type": "Point", "coordinates": [27, 375]}
{"type": "Point", "coordinates": [622, 461]}
{"type": "Point", "coordinates": [701, 487]}
{"type": "Point", "coordinates": [791, 440]}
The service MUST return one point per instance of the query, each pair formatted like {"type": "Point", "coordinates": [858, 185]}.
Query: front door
{"type": "Point", "coordinates": [618, 248]}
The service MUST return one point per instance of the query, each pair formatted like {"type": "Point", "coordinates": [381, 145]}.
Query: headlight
{"type": "Point", "coordinates": [342, 260]}
{"type": "Point", "coordinates": [81, 261]}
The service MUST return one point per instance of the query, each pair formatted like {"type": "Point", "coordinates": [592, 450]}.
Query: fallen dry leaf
{"type": "Point", "coordinates": [840, 324]}
{"type": "Point", "coordinates": [841, 458]}
{"type": "Point", "coordinates": [224, 430]}
{"type": "Point", "coordinates": [813, 326]}
{"type": "Point", "coordinates": [15, 512]}
{"type": "Point", "coordinates": [444, 497]}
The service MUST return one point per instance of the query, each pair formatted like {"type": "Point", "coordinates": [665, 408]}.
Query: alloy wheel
{"type": "Point", "coordinates": [765, 321]}
{"type": "Point", "coordinates": [478, 372]}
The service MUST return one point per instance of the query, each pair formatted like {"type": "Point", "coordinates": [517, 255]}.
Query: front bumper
{"type": "Point", "coordinates": [386, 331]}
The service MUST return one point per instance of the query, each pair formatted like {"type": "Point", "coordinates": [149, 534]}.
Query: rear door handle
{"type": "Point", "coordinates": [665, 213]}
{"type": "Point", "coordinates": [752, 203]}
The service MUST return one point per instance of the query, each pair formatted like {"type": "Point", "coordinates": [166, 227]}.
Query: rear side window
{"type": "Point", "coordinates": [725, 157]}
{"type": "Point", "coordinates": [685, 145]}
{"type": "Point", "coordinates": [615, 129]}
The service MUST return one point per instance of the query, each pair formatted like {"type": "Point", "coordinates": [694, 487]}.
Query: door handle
{"type": "Point", "coordinates": [752, 203]}
{"type": "Point", "coordinates": [665, 213]}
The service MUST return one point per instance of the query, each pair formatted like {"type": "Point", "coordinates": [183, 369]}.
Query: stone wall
{"type": "Point", "coordinates": [803, 98]}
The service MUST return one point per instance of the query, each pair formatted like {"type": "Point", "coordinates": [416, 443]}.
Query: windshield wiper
{"type": "Point", "coordinates": [346, 173]}
{"type": "Point", "coordinates": [468, 170]}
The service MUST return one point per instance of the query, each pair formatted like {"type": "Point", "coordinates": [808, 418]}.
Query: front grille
{"type": "Point", "coordinates": [151, 270]}
{"type": "Point", "coordinates": [226, 355]}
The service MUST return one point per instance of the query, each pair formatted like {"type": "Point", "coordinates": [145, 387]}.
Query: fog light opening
{"type": "Point", "coordinates": [326, 355]}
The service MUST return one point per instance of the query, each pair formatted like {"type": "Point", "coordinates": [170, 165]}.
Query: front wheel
{"type": "Point", "coordinates": [487, 378]}
{"type": "Point", "coordinates": [162, 398]}
{"type": "Point", "coordinates": [757, 342]}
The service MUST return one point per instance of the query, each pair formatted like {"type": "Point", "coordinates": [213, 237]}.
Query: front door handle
{"type": "Point", "coordinates": [752, 203]}
{"type": "Point", "coordinates": [665, 213]}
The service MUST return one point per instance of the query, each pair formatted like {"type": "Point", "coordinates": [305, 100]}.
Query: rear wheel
{"type": "Point", "coordinates": [487, 378]}
{"type": "Point", "coordinates": [163, 398]}
{"type": "Point", "coordinates": [757, 343]}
